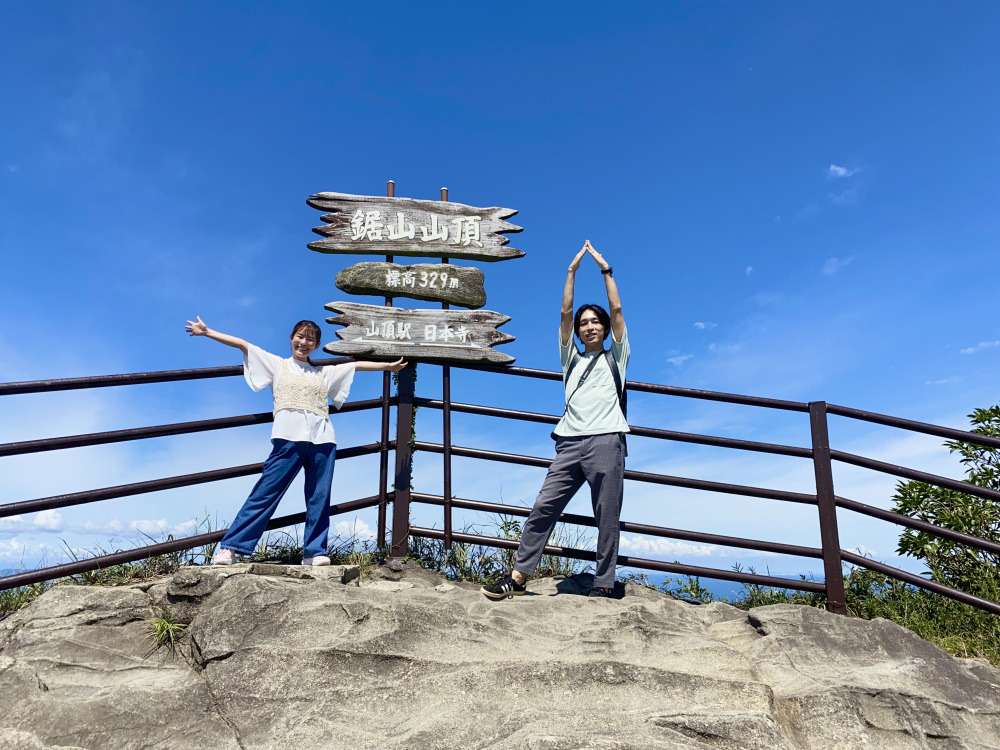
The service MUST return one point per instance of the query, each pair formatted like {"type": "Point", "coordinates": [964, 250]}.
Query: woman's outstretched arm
{"type": "Point", "coordinates": [198, 328]}
{"type": "Point", "coordinates": [366, 366]}
{"type": "Point", "coordinates": [566, 314]}
{"type": "Point", "coordinates": [614, 303]}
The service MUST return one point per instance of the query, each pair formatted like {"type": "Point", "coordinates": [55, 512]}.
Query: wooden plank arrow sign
{"type": "Point", "coordinates": [369, 225]}
{"type": "Point", "coordinates": [456, 285]}
{"type": "Point", "coordinates": [388, 333]}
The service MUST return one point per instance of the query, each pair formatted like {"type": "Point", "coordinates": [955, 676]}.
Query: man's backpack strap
{"type": "Point", "coordinates": [619, 386]}
{"type": "Point", "coordinates": [622, 393]}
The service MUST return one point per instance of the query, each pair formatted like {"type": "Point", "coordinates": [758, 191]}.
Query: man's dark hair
{"type": "Point", "coordinates": [602, 316]}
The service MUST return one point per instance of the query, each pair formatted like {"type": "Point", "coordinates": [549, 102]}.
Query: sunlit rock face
{"type": "Point", "coordinates": [291, 658]}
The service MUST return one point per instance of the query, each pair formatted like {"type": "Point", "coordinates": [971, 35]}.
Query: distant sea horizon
{"type": "Point", "coordinates": [717, 588]}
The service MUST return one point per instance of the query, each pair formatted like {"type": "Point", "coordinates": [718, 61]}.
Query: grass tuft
{"type": "Point", "coordinates": [163, 631]}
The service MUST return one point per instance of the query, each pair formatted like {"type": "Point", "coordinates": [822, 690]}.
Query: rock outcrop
{"type": "Point", "coordinates": [291, 658]}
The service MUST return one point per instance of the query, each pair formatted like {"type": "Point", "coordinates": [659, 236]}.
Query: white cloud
{"type": "Point", "coordinates": [114, 526]}
{"type": "Point", "coordinates": [13, 168]}
{"type": "Point", "coordinates": [644, 546]}
{"type": "Point", "coordinates": [749, 270]}
{"type": "Point", "coordinates": [706, 326]}
{"type": "Point", "coordinates": [679, 359]}
{"type": "Point", "coordinates": [834, 264]}
{"type": "Point", "coordinates": [834, 171]}
{"type": "Point", "coordinates": [980, 346]}
{"type": "Point", "coordinates": [355, 529]}
{"type": "Point", "coordinates": [148, 527]}
{"type": "Point", "coordinates": [49, 520]}
{"type": "Point", "coordinates": [27, 556]}
{"type": "Point", "coordinates": [944, 381]}
{"type": "Point", "coordinates": [13, 523]}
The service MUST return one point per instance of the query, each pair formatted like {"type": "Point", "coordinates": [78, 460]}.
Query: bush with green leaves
{"type": "Point", "coordinates": [953, 563]}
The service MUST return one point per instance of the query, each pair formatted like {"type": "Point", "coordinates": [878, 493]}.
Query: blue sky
{"type": "Point", "coordinates": [799, 201]}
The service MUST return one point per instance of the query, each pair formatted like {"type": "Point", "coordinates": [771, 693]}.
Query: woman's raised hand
{"type": "Point", "coordinates": [576, 261]}
{"type": "Point", "coordinates": [197, 327]}
{"type": "Point", "coordinates": [396, 366]}
{"type": "Point", "coordinates": [596, 255]}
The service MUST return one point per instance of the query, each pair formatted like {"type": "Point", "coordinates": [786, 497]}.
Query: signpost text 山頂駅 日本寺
{"type": "Point", "coordinates": [369, 225]}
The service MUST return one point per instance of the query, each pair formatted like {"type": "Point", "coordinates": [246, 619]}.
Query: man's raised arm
{"type": "Point", "coordinates": [614, 303]}
{"type": "Point", "coordinates": [566, 314]}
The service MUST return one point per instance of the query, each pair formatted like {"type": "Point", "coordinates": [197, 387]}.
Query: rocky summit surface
{"type": "Point", "coordinates": [292, 658]}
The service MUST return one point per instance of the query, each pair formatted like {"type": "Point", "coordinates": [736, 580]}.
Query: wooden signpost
{"type": "Point", "coordinates": [364, 224]}
{"type": "Point", "coordinates": [369, 225]}
{"type": "Point", "coordinates": [433, 282]}
{"type": "Point", "coordinates": [380, 332]}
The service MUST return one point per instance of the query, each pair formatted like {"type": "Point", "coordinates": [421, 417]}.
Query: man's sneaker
{"type": "Point", "coordinates": [316, 561]}
{"type": "Point", "coordinates": [224, 557]}
{"type": "Point", "coordinates": [503, 588]}
{"type": "Point", "coordinates": [599, 592]}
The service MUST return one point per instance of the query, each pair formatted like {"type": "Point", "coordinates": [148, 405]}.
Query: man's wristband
{"type": "Point", "coordinates": [607, 271]}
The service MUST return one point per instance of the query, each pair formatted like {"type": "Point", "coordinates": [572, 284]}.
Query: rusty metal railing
{"type": "Point", "coordinates": [819, 453]}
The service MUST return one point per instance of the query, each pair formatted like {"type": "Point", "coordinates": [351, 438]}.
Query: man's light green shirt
{"type": "Point", "coordinates": [594, 409]}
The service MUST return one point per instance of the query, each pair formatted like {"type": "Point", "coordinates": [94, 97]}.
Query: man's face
{"type": "Point", "coordinates": [591, 330]}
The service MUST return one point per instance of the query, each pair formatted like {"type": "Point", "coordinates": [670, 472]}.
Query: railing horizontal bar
{"type": "Point", "coordinates": [156, 485]}
{"type": "Point", "coordinates": [488, 411]}
{"type": "Point", "coordinates": [909, 424]}
{"type": "Point", "coordinates": [682, 437]}
{"type": "Point", "coordinates": [920, 476]}
{"type": "Point", "coordinates": [160, 548]}
{"type": "Point", "coordinates": [141, 433]}
{"type": "Point", "coordinates": [635, 528]}
{"type": "Point", "coordinates": [135, 378]}
{"type": "Point", "coordinates": [729, 398]}
{"type": "Point", "coordinates": [919, 581]}
{"type": "Point", "coordinates": [632, 562]}
{"type": "Point", "coordinates": [525, 372]}
{"type": "Point", "coordinates": [668, 390]}
{"type": "Point", "coordinates": [916, 523]}
{"type": "Point", "coordinates": [720, 442]}
{"type": "Point", "coordinates": [639, 476]}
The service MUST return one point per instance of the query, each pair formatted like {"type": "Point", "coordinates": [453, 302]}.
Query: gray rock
{"type": "Point", "coordinates": [290, 657]}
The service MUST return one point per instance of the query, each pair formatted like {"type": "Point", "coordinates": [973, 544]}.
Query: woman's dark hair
{"type": "Point", "coordinates": [312, 328]}
{"type": "Point", "coordinates": [602, 317]}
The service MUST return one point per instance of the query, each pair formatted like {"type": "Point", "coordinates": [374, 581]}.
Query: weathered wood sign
{"type": "Point", "coordinates": [390, 332]}
{"type": "Point", "coordinates": [455, 285]}
{"type": "Point", "coordinates": [363, 224]}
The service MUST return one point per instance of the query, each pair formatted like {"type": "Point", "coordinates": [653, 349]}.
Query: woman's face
{"type": "Point", "coordinates": [304, 343]}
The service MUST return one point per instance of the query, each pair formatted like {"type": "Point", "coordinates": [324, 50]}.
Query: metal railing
{"type": "Point", "coordinates": [819, 452]}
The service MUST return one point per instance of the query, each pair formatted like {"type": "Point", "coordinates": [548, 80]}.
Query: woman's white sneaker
{"type": "Point", "coordinates": [316, 561]}
{"type": "Point", "coordinates": [224, 557]}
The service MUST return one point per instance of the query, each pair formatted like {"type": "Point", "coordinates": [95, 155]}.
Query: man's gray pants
{"type": "Point", "coordinates": [598, 460]}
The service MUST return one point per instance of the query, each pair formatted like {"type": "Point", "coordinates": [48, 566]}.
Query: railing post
{"type": "Point", "coordinates": [446, 425]}
{"type": "Point", "coordinates": [823, 467]}
{"type": "Point", "coordinates": [404, 468]}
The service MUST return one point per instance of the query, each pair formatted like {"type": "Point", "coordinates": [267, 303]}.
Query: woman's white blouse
{"type": "Point", "coordinates": [262, 369]}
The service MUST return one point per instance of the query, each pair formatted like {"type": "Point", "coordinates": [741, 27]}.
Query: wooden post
{"type": "Point", "coordinates": [404, 469]}
{"type": "Point", "coordinates": [823, 467]}
{"type": "Point", "coordinates": [383, 456]}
